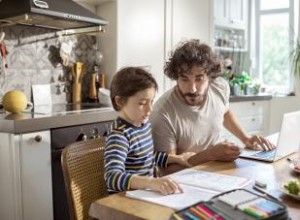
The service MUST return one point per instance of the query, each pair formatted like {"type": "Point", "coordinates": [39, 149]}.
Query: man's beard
{"type": "Point", "coordinates": [197, 98]}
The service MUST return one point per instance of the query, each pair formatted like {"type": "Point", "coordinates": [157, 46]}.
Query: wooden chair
{"type": "Point", "coordinates": [83, 170]}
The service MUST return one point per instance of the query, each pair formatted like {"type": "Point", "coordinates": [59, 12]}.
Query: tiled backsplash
{"type": "Point", "coordinates": [33, 58]}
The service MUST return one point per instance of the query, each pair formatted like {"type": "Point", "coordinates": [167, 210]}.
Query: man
{"type": "Point", "coordinates": [191, 116]}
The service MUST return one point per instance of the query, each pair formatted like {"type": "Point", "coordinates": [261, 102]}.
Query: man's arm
{"type": "Point", "coordinates": [223, 151]}
{"type": "Point", "coordinates": [255, 142]}
{"type": "Point", "coordinates": [173, 167]}
{"type": "Point", "coordinates": [231, 123]}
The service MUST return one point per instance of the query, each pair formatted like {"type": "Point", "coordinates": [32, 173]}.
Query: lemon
{"type": "Point", "coordinates": [14, 101]}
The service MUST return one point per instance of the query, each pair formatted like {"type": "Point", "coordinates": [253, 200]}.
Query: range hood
{"type": "Point", "coordinates": [54, 14]}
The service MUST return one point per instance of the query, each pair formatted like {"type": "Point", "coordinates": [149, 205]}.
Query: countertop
{"type": "Point", "coordinates": [245, 98]}
{"type": "Point", "coordinates": [31, 121]}
{"type": "Point", "coordinates": [57, 116]}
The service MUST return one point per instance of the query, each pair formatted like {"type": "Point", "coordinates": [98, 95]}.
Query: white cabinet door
{"type": "Point", "coordinates": [10, 186]}
{"type": "Point", "coordinates": [238, 13]}
{"type": "Point", "coordinates": [36, 180]}
{"type": "Point", "coordinates": [25, 170]}
{"type": "Point", "coordinates": [253, 117]}
{"type": "Point", "coordinates": [231, 13]}
{"type": "Point", "coordinates": [221, 12]}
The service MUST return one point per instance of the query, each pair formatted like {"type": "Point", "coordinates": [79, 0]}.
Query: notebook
{"type": "Point", "coordinates": [286, 141]}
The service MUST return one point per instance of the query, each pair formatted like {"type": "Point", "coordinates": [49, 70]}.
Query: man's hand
{"type": "Point", "coordinates": [181, 158]}
{"type": "Point", "coordinates": [257, 142]}
{"type": "Point", "coordinates": [224, 151]}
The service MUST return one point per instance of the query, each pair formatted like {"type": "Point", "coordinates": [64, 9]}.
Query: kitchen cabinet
{"type": "Point", "coordinates": [143, 32]}
{"type": "Point", "coordinates": [231, 25]}
{"type": "Point", "coordinates": [30, 161]}
{"type": "Point", "coordinates": [25, 171]}
{"type": "Point", "coordinates": [252, 115]}
{"type": "Point", "coordinates": [231, 13]}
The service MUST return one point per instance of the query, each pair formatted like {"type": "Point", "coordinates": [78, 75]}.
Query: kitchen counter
{"type": "Point", "coordinates": [39, 120]}
{"type": "Point", "coordinates": [245, 98]}
{"type": "Point", "coordinates": [61, 115]}
{"type": "Point", "coordinates": [30, 155]}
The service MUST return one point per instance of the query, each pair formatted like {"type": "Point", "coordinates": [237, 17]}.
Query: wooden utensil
{"type": "Point", "coordinates": [78, 71]}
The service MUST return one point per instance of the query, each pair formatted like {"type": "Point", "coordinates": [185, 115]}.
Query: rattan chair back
{"type": "Point", "coordinates": [83, 170]}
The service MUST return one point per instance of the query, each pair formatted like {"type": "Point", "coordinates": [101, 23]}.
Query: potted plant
{"type": "Point", "coordinates": [296, 60]}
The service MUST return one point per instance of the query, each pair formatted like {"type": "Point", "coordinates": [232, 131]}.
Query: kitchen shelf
{"type": "Point", "coordinates": [230, 49]}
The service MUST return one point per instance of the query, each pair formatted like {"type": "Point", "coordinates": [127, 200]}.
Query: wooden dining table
{"type": "Point", "coordinates": [118, 206]}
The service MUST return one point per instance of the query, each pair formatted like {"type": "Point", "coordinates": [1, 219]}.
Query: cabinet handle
{"type": "Point", "coordinates": [38, 138]}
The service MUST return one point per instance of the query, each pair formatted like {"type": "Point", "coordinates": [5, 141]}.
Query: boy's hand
{"type": "Point", "coordinates": [165, 186]}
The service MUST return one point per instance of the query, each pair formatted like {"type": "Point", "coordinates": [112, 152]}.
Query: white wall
{"type": "Point", "coordinates": [108, 39]}
{"type": "Point", "coordinates": [143, 32]}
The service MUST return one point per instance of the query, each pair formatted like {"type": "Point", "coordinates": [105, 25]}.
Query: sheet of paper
{"type": "Point", "coordinates": [197, 186]}
{"type": "Point", "coordinates": [190, 196]}
{"type": "Point", "coordinates": [41, 94]}
{"type": "Point", "coordinates": [209, 180]}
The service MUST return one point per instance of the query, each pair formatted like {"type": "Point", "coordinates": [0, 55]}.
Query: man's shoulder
{"type": "Point", "coordinates": [220, 84]}
{"type": "Point", "coordinates": [220, 87]}
{"type": "Point", "coordinates": [165, 100]}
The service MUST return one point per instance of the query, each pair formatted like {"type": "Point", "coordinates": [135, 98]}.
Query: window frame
{"type": "Point", "coordinates": [292, 32]}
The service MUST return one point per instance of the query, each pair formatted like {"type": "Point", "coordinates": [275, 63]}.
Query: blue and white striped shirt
{"type": "Point", "coordinates": [129, 151]}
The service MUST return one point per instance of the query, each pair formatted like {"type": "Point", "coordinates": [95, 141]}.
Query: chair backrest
{"type": "Point", "coordinates": [83, 170]}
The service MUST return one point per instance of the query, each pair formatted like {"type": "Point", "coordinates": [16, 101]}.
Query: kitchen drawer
{"type": "Point", "coordinates": [226, 135]}
{"type": "Point", "coordinates": [252, 123]}
{"type": "Point", "coordinates": [253, 108]}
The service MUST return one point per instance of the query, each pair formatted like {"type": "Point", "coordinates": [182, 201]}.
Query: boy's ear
{"type": "Point", "coordinates": [119, 101]}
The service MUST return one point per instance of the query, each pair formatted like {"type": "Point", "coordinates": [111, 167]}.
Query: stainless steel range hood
{"type": "Point", "coordinates": [54, 14]}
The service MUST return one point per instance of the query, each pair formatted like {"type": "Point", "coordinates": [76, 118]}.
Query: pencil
{"type": "Point", "coordinates": [199, 213]}
{"type": "Point", "coordinates": [265, 193]}
{"type": "Point", "coordinates": [177, 217]}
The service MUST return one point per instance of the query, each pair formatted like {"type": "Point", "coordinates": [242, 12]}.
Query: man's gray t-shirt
{"type": "Point", "coordinates": [181, 127]}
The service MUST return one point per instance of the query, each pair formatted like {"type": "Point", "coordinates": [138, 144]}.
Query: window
{"type": "Point", "coordinates": [274, 33]}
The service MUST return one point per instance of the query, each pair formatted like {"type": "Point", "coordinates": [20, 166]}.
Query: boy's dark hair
{"type": "Point", "coordinates": [128, 81]}
{"type": "Point", "coordinates": [192, 53]}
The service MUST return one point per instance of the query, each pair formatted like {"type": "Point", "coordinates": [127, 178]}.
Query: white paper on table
{"type": "Point", "coordinates": [190, 196]}
{"type": "Point", "coordinates": [209, 180]}
{"type": "Point", "coordinates": [197, 186]}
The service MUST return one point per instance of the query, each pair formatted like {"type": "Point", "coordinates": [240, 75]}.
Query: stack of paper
{"type": "Point", "coordinates": [197, 186]}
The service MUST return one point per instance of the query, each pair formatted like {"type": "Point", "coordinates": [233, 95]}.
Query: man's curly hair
{"type": "Point", "coordinates": [192, 53]}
